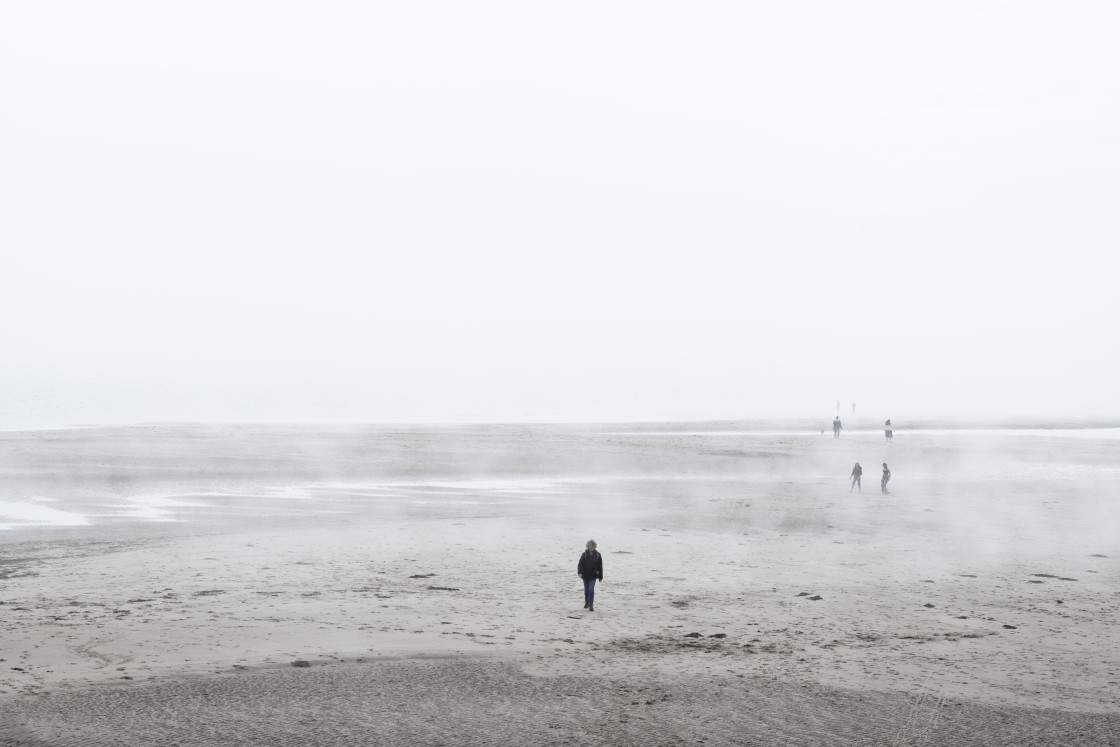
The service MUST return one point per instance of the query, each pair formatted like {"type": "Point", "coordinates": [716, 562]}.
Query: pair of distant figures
{"type": "Point", "coordinates": [837, 426]}
{"type": "Point", "coordinates": [857, 473]}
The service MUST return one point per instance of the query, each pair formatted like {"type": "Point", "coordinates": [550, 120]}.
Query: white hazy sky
{"type": "Point", "coordinates": [503, 210]}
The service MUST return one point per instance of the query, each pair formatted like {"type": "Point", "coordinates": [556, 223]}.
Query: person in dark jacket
{"type": "Point", "coordinates": [857, 473]}
{"type": "Point", "coordinates": [590, 569]}
{"type": "Point", "coordinates": [886, 478]}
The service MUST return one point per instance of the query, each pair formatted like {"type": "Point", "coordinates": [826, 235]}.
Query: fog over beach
{"type": "Point", "coordinates": [332, 334]}
{"type": "Point", "coordinates": [150, 572]}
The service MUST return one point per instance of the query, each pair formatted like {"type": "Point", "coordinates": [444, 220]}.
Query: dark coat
{"type": "Point", "coordinates": [590, 565]}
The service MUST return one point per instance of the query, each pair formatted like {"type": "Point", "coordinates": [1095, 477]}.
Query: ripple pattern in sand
{"type": "Point", "coordinates": [473, 702]}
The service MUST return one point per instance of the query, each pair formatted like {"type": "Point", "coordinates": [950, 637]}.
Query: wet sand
{"type": "Point", "coordinates": [425, 581]}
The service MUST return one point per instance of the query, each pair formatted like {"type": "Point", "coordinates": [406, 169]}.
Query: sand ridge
{"type": "Point", "coordinates": [469, 701]}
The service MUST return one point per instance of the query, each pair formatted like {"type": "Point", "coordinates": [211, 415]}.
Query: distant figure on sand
{"type": "Point", "coordinates": [836, 427]}
{"type": "Point", "coordinates": [857, 472]}
{"type": "Point", "coordinates": [889, 429]}
{"type": "Point", "coordinates": [590, 569]}
{"type": "Point", "coordinates": [886, 478]}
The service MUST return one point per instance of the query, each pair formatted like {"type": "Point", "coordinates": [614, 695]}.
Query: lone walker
{"type": "Point", "coordinates": [590, 569]}
{"type": "Point", "coordinates": [836, 427]}
{"type": "Point", "coordinates": [857, 473]}
{"type": "Point", "coordinates": [886, 478]}
{"type": "Point", "coordinates": [888, 429]}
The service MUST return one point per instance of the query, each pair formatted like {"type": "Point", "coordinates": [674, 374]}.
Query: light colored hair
{"type": "Point", "coordinates": [591, 544]}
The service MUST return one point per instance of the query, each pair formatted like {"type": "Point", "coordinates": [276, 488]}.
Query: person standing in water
{"type": "Point", "coordinates": [886, 478]}
{"type": "Point", "coordinates": [888, 429]}
{"type": "Point", "coordinates": [857, 472]}
{"type": "Point", "coordinates": [590, 569]}
{"type": "Point", "coordinates": [836, 427]}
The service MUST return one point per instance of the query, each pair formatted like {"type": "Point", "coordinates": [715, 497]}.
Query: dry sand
{"type": "Point", "coordinates": [427, 579]}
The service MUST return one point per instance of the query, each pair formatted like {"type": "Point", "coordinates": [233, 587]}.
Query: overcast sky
{"type": "Point", "coordinates": [507, 210]}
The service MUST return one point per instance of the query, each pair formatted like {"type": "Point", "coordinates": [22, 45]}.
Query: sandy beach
{"type": "Point", "coordinates": [237, 585]}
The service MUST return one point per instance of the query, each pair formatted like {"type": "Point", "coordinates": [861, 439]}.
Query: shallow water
{"type": "Point", "coordinates": [222, 474]}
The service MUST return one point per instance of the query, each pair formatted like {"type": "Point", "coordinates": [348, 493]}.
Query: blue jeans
{"type": "Point", "coordinates": [589, 591]}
